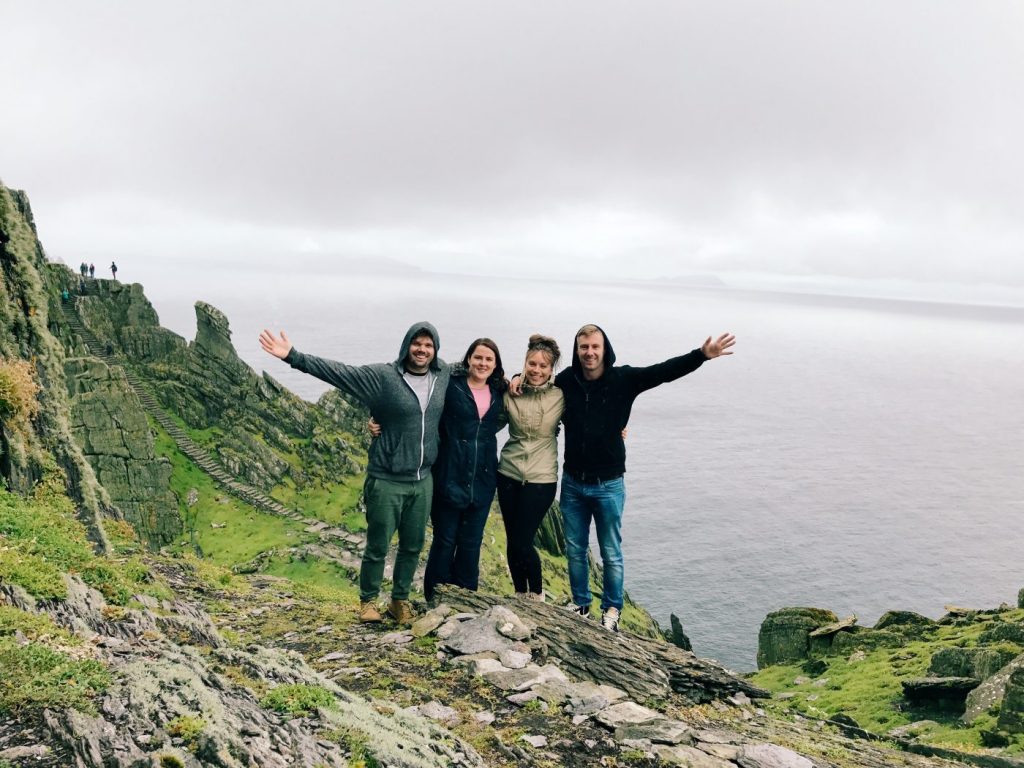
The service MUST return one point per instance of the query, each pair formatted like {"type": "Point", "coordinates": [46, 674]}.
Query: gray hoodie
{"type": "Point", "coordinates": [407, 445]}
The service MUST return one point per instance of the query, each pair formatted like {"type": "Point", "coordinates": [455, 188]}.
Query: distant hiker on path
{"type": "Point", "coordinates": [113, 269]}
{"type": "Point", "coordinates": [406, 398]}
{"type": "Point", "coordinates": [83, 268]}
{"type": "Point", "coordinates": [92, 270]}
{"type": "Point", "coordinates": [599, 396]}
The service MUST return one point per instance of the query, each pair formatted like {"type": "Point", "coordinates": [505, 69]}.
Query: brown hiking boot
{"type": "Point", "coordinates": [401, 611]}
{"type": "Point", "coordinates": [369, 614]}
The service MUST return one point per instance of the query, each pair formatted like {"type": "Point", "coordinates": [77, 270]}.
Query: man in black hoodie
{"type": "Point", "coordinates": [599, 396]}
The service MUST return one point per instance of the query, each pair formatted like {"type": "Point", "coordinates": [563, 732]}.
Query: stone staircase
{"type": "Point", "coordinates": [330, 537]}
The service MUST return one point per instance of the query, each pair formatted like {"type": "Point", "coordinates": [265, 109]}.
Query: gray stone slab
{"type": "Point", "coordinates": [771, 756]}
{"type": "Point", "coordinates": [514, 659]}
{"type": "Point", "coordinates": [657, 731]}
{"type": "Point", "coordinates": [521, 679]}
{"type": "Point", "coordinates": [683, 755]}
{"type": "Point", "coordinates": [626, 713]}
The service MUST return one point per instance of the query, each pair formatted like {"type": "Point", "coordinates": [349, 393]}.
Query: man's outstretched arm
{"type": "Point", "coordinates": [360, 381]}
{"type": "Point", "coordinates": [677, 367]}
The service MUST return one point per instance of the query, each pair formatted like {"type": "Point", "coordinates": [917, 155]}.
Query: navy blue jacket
{"type": "Point", "coordinates": [466, 469]}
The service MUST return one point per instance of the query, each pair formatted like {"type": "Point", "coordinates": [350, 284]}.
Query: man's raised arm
{"type": "Point", "coordinates": [677, 367]}
{"type": "Point", "coordinates": [360, 381]}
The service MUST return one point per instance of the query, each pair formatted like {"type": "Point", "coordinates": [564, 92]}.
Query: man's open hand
{"type": "Point", "coordinates": [274, 345]}
{"type": "Point", "coordinates": [720, 346]}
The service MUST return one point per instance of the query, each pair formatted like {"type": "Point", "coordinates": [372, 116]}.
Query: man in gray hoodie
{"type": "Point", "coordinates": [406, 398]}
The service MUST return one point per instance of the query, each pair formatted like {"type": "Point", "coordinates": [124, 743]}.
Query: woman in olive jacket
{"type": "Point", "coordinates": [466, 467]}
{"type": "Point", "coordinates": [528, 470]}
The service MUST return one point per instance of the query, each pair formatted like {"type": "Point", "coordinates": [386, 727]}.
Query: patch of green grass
{"type": "Point", "coordinates": [298, 700]}
{"type": "Point", "coordinates": [34, 626]}
{"type": "Point", "coordinates": [246, 532]}
{"type": "Point", "coordinates": [334, 503]}
{"type": "Point", "coordinates": [40, 539]}
{"type": "Point", "coordinates": [37, 677]}
{"type": "Point", "coordinates": [318, 580]}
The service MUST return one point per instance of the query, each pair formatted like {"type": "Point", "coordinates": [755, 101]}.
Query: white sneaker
{"type": "Point", "coordinates": [579, 610]}
{"type": "Point", "coordinates": [536, 596]}
{"type": "Point", "coordinates": [610, 619]}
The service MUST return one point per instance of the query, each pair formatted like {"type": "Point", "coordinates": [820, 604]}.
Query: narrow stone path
{"type": "Point", "coordinates": [336, 544]}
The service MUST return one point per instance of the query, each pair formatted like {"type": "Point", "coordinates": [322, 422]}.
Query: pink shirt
{"type": "Point", "coordinates": [483, 400]}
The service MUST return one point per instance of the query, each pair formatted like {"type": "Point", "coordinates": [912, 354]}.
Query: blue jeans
{"type": "Point", "coordinates": [603, 503]}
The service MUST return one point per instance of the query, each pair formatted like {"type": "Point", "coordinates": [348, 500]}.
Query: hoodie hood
{"type": "Point", "coordinates": [609, 352]}
{"type": "Point", "coordinates": [415, 330]}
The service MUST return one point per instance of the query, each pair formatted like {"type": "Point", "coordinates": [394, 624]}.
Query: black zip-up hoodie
{"type": "Point", "coordinates": [597, 411]}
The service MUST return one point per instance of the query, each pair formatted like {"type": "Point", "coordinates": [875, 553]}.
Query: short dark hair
{"type": "Point", "coordinates": [497, 378]}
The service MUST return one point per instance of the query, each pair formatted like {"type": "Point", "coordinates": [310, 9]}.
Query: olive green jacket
{"type": "Point", "coordinates": [531, 453]}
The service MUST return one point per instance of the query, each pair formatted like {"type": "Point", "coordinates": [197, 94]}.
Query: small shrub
{"type": "Point", "coordinates": [298, 700]}
{"type": "Point", "coordinates": [186, 727]}
{"type": "Point", "coordinates": [18, 390]}
{"type": "Point", "coordinates": [171, 761]}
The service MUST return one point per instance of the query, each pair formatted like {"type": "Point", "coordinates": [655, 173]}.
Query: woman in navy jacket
{"type": "Point", "coordinates": [466, 470]}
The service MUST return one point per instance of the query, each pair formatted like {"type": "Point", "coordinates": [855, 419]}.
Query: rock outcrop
{"type": "Point", "coordinates": [110, 426]}
{"type": "Point", "coordinates": [785, 634]}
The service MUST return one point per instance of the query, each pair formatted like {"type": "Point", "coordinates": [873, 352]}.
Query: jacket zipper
{"type": "Point", "coordinates": [476, 441]}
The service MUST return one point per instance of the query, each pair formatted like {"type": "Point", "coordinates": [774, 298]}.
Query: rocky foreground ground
{"type": "Point", "coordinates": [476, 681]}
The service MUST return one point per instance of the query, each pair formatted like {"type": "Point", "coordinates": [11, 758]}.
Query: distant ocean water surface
{"type": "Point", "coordinates": [854, 454]}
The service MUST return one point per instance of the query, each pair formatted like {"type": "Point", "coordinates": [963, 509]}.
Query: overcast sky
{"type": "Point", "coordinates": [878, 142]}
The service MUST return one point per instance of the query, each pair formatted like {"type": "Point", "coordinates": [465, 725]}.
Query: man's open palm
{"type": "Point", "coordinates": [274, 345]}
{"type": "Point", "coordinates": [719, 346]}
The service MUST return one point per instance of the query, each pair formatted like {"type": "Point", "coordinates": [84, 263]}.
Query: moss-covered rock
{"type": "Point", "coordinates": [785, 634]}
{"type": "Point", "coordinates": [110, 426]}
{"type": "Point", "coordinates": [29, 301]}
{"type": "Point", "coordinates": [907, 622]}
{"type": "Point", "coordinates": [979, 663]}
{"type": "Point", "coordinates": [845, 643]}
{"type": "Point", "coordinates": [1011, 714]}
{"type": "Point", "coordinates": [1004, 631]}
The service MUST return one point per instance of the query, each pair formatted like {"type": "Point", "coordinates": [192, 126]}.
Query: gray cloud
{"type": "Point", "coordinates": [868, 140]}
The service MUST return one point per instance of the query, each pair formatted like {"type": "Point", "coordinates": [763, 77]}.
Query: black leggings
{"type": "Point", "coordinates": [523, 506]}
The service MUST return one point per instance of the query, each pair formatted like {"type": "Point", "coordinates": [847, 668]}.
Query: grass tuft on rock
{"type": "Point", "coordinates": [297, 700]}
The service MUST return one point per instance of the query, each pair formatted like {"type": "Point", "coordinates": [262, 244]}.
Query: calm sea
{"type": "Point", "coordinates": [854, 454]}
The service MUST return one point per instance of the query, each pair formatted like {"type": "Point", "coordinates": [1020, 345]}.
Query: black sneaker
{"type": "Point", "coordinates": [610, 619]}
{"type": "Point", "coordinates": [579, 610]}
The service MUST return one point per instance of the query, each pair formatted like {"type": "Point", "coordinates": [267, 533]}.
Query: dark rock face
{"type": "Point", "coordinates": [1011, 714]}
{"type": "Point", "coordinates": [678, 638]}
{"type": "Point", "coordinates": [948, 694]}
{"type": "Point", "coordinates": [979, 663]}
{"type": "Point", "coordinates": [110, 426]}
{"type": "Point", "coordinates": [785, 635]}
